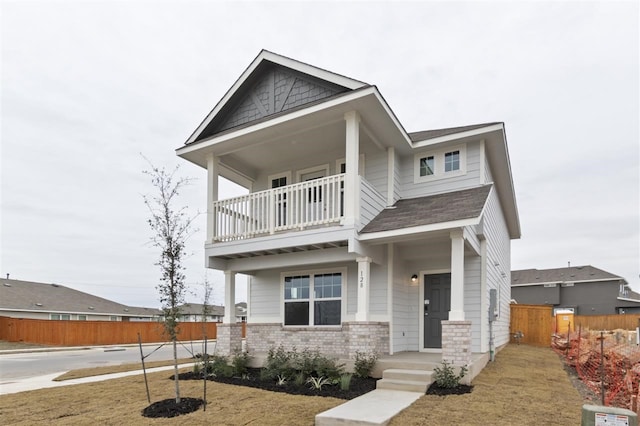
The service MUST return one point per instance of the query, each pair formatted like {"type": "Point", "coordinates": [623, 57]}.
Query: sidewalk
{"type": "Point", "coordinates": [46, 381]}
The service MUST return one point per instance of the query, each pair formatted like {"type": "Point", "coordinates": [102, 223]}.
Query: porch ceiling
{"type": "Point", "coordinates": [285, 250]}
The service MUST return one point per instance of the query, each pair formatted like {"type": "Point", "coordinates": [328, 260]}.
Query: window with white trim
{"type": "Point", "coordinates": [313, 299]}
{"type": "Point", "coordinates": [63, 317]}
{"type": "Point", "coordinates": [434, 165]}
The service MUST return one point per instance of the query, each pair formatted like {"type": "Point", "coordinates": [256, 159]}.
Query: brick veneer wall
{"type": "Point", "coordinates": [229, 339]}
{"type": "Point", "coordinates": [337, 341]}
{"type": "Point", "coordinates": [456, 342]}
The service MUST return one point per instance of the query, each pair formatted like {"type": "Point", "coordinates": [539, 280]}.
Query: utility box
{"type": "Point", "coordinates": [596, 415]}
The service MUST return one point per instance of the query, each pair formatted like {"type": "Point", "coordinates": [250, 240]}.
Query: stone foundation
{"type": "Point", "coordinates": [229, 339]}
{"type": "Point", "coordinates": [456, 342]}
{"type": "Point", "coordinates": [334, 341]}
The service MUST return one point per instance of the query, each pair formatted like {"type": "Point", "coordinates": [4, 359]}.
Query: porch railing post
{"type": "Point", "coordinates": [272, 212]}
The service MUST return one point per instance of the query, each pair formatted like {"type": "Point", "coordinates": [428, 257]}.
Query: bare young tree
{"type": "Point", "coordinates": [171, 228]}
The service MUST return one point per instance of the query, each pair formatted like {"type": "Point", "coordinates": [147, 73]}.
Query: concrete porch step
{"type": "Point", "coordinates": [405, 380]}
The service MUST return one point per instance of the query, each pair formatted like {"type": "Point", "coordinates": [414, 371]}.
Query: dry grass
{"type": "Point", "coordinates": [98, 371]}
{"type": "Point", "coordinates": [525, 386]}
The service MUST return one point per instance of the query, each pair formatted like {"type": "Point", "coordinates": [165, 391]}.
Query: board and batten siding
{"type": "Point", "coordinates": [498, 262]}
{"type": "Point", "coordinates": [411, 189]}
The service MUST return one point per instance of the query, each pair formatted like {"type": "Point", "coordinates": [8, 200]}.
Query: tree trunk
{"type": "Point", "coordinates": [175, 370]}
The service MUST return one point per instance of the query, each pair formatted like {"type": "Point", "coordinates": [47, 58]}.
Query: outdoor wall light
{"type": "Point", "coordinates": [414, 278]}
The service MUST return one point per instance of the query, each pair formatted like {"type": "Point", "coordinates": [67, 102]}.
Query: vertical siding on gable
{"type": "Point", "coordinates": [470, 179]}
{"type": "Point", "coordinates": [498, 262]}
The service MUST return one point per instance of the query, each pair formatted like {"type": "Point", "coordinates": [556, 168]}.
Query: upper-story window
{"type": "Point", "coordinates": [440, 164]}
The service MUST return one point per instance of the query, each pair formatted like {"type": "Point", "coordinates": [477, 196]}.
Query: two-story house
{"type": "Point", "coordinates": [355, 234]}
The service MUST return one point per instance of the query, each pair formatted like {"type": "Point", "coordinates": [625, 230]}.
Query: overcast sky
{"type": "Point", "coordinates": [87, 87]}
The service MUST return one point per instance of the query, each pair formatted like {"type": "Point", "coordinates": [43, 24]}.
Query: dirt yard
{"type": "Point", "coordinates": [525, 386]}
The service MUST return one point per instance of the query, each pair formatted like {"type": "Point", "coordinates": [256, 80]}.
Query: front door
{"type": "Point", "coordinates": [437, 303]}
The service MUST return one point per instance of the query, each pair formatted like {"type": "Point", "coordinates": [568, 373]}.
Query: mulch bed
{"type": "Point", "coordinates": [434, 389]}
{"type": "Point", "coordinates": [169, 408]}
{"type": "Point", "coordinates": [358, 385]}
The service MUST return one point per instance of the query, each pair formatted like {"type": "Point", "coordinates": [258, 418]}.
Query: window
{"type": "Point", "coordinates": [113, 318]}
{"type": "Point", "coordinates": [440, 164]}
{"type": "Point", "coordinates": [427, 165]}
{"type": "Point", "coordinates": [82, 317]}
{"type": "Point", "coordinates": [61, 317]}
{"type": "Point", "coordinates": [313, 299]}
{"type": "Point", "coordinates": [452, 161]}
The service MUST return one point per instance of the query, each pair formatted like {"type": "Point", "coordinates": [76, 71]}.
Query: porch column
{"type": "Point", "coordinates": [364, 270]}
{"type": "Point", "coordinates": [213, 169]}
{"type": "Point", "coordinates": [457, 276]}
{"type": "Point", "coordinates": [351, 180]}
{"type": "Point", "coordinates": [229, 298]}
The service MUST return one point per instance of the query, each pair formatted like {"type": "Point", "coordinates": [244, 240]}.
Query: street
{"type": "Point", "coordinates": [33, 364]}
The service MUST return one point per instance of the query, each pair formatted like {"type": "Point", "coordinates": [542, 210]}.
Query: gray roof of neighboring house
{"type": "Point", "coordinates": [446, 207]}
{"type": "Point", "coordinates": [436, 133]}
{"type": "Point", "coordinates": [573, 274]}
{"type": "Point", "coordinates": [215, 310]}
{"type": "Point", "coordinates": [40, 297]}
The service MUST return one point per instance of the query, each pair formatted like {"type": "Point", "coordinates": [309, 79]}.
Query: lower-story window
{"type": "Point", "coordinates": [313, 299]}
{"type": "Point", "coordinates": [65, 317]}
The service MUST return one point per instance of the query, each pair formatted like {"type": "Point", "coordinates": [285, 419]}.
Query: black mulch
{"type": "Point", "coordinates": [169, 408]}
{"type": "Point", "coordinates": [434, 389]}
{"type": "Point", "coordinates": [358, 385]}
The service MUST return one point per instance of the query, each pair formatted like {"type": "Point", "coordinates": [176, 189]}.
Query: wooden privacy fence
{"type": "Point", "coordinates": [535, 322]}
{"type": "Point", "coordinates": [74, 333]}
{"type": "Point", "coordinates": [606, 322]}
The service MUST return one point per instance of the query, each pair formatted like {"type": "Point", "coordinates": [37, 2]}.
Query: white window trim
{"type": "Point", "coordinates": [311, 272]}
{"type": "Point", "coordinates": [286, 175]}
{"type": "Point", "coordinates": [438, 159]}
{"type": "Point", "coordinates": [323, 167]}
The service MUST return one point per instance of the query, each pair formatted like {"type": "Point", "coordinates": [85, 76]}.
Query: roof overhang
{"type": "Point", "coordinates": [375, 114]}
{"type": "Point", "coordinates": [415, 232]}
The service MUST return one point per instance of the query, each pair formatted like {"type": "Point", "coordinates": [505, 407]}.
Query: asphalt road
{"type": "Point", "coordinates": [33, 364]}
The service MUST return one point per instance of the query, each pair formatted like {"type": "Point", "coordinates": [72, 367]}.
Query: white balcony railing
{"type": "Point", "coordinates": [305, 204]}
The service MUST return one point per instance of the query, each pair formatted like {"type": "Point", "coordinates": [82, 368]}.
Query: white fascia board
{"type": "Point", "coordinates": [415, 230]}
{"type": "Point", "coordinates": [626, 299]}
{"type": "Point", "coordinates": [265, 55]}
{"type": "Point", "coordinates": [456, 136]}
{"type": "Point", "coordinates": [567, 281]}
{"type": "Point", "coordinates": [215, 140]}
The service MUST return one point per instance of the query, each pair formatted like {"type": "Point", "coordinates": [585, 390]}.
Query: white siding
{"type": "Point", "coordinates": [401, 320]}
{"type": "Point", "coordinates": [470, 179]}
{"type": "Point", "coordinates": [472, 297]}
{"type": "Point", "coordinates": [371, 203]}
{"type": "Point", "coordinates": [376, 170]}
{"type": "Point", "coordinates": [397, 179]}
{"type": "Point", "coordinates": [498, 262]}
{"type": "Point", "coordinates": [378, 292]}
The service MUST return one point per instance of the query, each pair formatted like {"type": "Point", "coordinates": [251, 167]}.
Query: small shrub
{"type": "Point", "coordinates": [299, 379]}
{"type": "Point", "coordinates": [219, 366]}
{"type": "Point", "coordinates": [278, 363]}
{"type": "Point", "coordinates": [317, 382]}
{"type": "Point", "coordinates": [445, 376]}
{"type": "Point", "coordinates": [240, 363]}
{"type": "Point", "coordinates": [345, 382]}
{"type": "Point", "coordinates": [328, 367]}
{"type": "Point", "coordinates": [196, 368]}
{"type": "Point", "coordinates": [304, 362]}
{"type": "Point", "coordinates": [364, 363]}
{"type": "Point", "coordinates": [281, 381]}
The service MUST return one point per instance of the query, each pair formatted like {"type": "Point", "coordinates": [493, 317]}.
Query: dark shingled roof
{"type": "Point", "coordinates": [573, 274]}
{"type": "Point", "coordinates": [447, 207]}
{"type": "Point", "coordinates": [431, 134]}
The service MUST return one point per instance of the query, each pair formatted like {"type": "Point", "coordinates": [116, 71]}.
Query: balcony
{"type": "Point", "coordinates": [300, 206]}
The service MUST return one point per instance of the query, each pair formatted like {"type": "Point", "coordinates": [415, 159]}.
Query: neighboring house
{"type": "Point", "coordinates": [193, 312]}
{"type": "Point", "coordinates": [26, 299]}
{"type": "Point", "coordinates": [583, 290]}
{"type": "Point", "coordinates": [355, 235]}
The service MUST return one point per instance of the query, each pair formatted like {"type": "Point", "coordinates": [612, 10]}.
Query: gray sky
{"type": "Point", "coordinates": [87, 87]}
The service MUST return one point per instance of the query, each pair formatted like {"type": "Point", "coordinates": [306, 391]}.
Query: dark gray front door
{"type": "Point", "coordinates": [437, 303]}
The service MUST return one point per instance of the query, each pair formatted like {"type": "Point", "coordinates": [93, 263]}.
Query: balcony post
{"type": "Point", "coordinates": [352, 156]}
{"type": "Point", "coordinates": [213, 169]}
{"type": "Point", "coordinates": [229, 298]}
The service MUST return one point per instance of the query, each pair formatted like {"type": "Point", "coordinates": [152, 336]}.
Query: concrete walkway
{"type": "Point", "coordinates": [377, 407]}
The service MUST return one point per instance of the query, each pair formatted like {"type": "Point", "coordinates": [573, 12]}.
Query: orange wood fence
{"type": "Point", "coordinates": [606, 322]}
{"type": "Point", "coordinates": [73, 333]}
{"type": "Point", "coordinates": [536, 322]}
